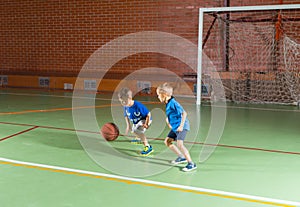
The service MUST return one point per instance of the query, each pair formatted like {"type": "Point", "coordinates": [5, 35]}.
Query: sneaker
{"type": "Point", "coordinates": [190, 166]}
{"type": "Point", "coordinates": [179, 160]}
{"type": "Point", "coordinates": [147, 150]}
{"type": "Point", "coordinates": [136, 141]}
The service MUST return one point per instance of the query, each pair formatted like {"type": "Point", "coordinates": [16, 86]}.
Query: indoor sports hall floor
{"type": "Point", "coordinates": [43, 164]}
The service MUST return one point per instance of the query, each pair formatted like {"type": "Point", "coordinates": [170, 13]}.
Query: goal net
{"type": "Point", "coordinates": [255, 53]}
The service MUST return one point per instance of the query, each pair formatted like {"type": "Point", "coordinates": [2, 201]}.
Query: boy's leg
{"type": "Point", "coordinates": [139, 131]}
{"type": "Point", "coordinates": [184, 150]}
{"type": "Point", "coordinates": [180, 158]}
{"type": "Point", "coordinates": [180, 139]}
{"type": "Point", "coordinates": [143, 139]}
{"type": "Point", "coordinates": [147, 147]}
{"type": "Point", "coordinates": [169, 143]}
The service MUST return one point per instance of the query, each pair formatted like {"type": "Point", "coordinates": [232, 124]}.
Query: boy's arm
{"type": "Point", "coordinates": [183, 118]}
{"type": "Point", "coordinates": [168, 123]}
{"type": "Point", "coordinates": [127, 125]}
{"type": "Point", "coordinates": [147, 121]}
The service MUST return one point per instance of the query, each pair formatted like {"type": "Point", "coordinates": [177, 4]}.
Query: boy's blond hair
{"type": "Point", "coordinates": [125, 94]}
{"type": "Point", "coordinates": [166, 89]}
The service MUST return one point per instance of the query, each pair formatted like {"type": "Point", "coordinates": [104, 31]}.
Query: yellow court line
{"type": "Point", "coordinates": [133, 181]}
{"type": "Point", "coordinates": [55, 109]}
{"type": "Point", "coordinates": [62, 109]}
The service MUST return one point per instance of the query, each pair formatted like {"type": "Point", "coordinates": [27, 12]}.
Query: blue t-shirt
{"type": "Point", "coordinates": [136, 112]}
{"type": "Point", "coordinates": [174, 113]}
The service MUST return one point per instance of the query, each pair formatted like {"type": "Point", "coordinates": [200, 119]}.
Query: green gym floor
{"type": "Point", "coordinates": [44, 163]}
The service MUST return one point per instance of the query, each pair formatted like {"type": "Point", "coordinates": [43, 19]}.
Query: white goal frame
{"type": "Point", "coordinates": [225, 9]}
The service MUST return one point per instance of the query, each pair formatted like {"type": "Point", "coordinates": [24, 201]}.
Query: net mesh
{"type": "Point", "coordinates": [255, 54]}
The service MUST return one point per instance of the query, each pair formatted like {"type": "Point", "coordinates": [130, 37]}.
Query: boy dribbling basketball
{"type": "Point", "coordinates": [140, 117]}
{"type": "Point", "coordinates": [179, 124]}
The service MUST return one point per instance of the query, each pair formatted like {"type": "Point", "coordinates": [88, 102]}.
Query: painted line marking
{"type": "Point", "coordinates": [61, 109]}
{"type": "Point", "coordinates": [256, 108]}
{"type": "Point", "coordinates": [50, 127]}
{"type": "Point", "coordinates": [156, 184]}
{"type": "Point", "coordinates": [53, 110]}
{"type": "Point", "coordinates": [16, 134]}
{"type": "Point", "coordinates": [205, 105]}
{"type": "Point", "coordinates": [236, 147]}
{"type": "Point", "coordinates": [52, 95]}
{"type": "Point", "coordinates": [188, 142]}
{"type": "Point", "coordinates": [254, 148]}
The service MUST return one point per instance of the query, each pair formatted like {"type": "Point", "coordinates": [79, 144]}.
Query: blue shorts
{"type": "Point", "coordinates": [178, 135]}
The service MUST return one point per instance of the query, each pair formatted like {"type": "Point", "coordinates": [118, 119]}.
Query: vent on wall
{"type": "Point", "coordinates": [90, 85]}
{"type": "Point", "coordinates": [3, 80]}
{"type": "Point", "coordinates": [44, 81]}
{"type": "Point", "coordinates": [68, 86]}
{"type": "Point", "coordinates": [144, 87]}
{"type": "Point", "coordinates": [205, 90]}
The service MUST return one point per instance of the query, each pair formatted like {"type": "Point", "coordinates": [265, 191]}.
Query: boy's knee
{"type": "Point", "coordinates": [168, 141]}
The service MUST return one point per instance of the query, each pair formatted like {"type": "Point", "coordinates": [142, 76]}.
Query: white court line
{"type": "Point", "coordinates": [215, 193]}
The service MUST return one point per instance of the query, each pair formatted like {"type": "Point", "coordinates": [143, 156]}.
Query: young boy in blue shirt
{"type": "Point", "coordinates": [179, 124]}
{"type": "Point", "coordinates": [140, 117]}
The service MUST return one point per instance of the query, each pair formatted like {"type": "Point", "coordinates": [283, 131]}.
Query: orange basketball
{"type": "Point", "coordinates": [110, 131]}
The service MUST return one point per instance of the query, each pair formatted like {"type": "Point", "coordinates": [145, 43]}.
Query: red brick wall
{"type": "Point", "coordinates": [56, 37]}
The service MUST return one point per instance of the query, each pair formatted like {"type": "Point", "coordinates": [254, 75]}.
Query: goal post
{"type": "Point", "coordinates": [250, 54]}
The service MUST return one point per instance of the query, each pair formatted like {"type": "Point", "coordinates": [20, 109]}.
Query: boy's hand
{"type": "Point", "coordinates": [180, 128]}
{"type": "Point", "coordinates": [146, 126]}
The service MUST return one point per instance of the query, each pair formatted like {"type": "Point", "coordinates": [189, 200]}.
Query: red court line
{"type": "Point", "coordinates": [200, 143]}
{"type": "Point", "coordinates": [254, 148]}
{"type": "Point", "coordinates": [21, 132]}
{"type": "Point", "coordinates": [239, 147]}
{"type": "Point", "coordinates": [48, 127]}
